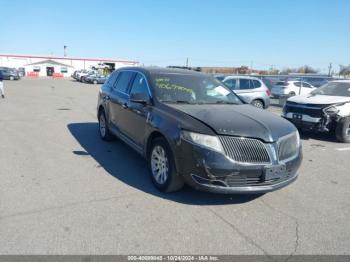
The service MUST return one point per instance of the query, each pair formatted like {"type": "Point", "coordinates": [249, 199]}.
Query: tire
{"type": "Point", "coordinates": [82, 79]}
{"type": "Point", "coordinates": [162, 167]}
{"type": "Point", "coordinates": [104, 131]}
{"type": "Point", "coordinates": [342, 131]}
{"type": "Point", "coordinates": [258, 103]}
{"type": "Point", "coordinates": [94, 82]}
{"type": "Point", "coordinates": [12, 78]}
{"type": "Point", "coordinates": [292, 94]}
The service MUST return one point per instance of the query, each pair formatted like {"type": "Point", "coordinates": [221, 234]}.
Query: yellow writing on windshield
{"type": "Point", "coordinates": [164, 83]}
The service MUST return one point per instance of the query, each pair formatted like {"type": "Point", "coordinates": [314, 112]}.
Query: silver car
{"type": "Point", "coordinates": [250, 89]}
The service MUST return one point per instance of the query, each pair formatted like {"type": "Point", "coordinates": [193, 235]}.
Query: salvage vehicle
{"type": "Point", "coordinates": [251, 89]}
{"type": "Point", "coordinates": [326, 109]}
{"type": "Point", "coordinates": [192, 129]}
{"type": "Point", "coordinates": [291, 88]}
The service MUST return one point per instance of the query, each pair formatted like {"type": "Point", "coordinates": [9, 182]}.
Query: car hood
{"type": "Point", "coordinates": [239, 120]}
{"type": "Point", "coordinates": [318, 99]}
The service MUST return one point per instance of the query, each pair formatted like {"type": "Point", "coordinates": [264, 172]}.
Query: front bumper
{"type": "Point", "coordinates": [211, 171]}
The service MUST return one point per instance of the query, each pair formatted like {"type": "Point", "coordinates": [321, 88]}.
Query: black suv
{"type": "Point", "coordinates": [192, 129]}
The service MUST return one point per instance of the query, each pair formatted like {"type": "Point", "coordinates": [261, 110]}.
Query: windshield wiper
{"type": "Point", "coordinates": [225, 102]}
{"type": "Point", "coordinates": [177, 101]}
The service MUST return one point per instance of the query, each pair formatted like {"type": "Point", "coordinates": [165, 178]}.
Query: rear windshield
{"type": "Point", "coordinates": [191, 89]}
{"type": "Point", "coordinates": [333, 89]}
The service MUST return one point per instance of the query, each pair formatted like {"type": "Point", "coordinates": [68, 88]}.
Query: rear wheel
{"type": "Point", "coordinates": [258, 103]}
{"type": "Point", "coordinates": [105, 133]}
{"type": "Point", "coordinates": [162, 166]}
{"type": "Point", "coordinates": [342, 131]}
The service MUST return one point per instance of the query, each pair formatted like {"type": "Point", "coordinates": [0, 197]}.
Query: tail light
{"type": "Point", "coordinates": [268, 92]}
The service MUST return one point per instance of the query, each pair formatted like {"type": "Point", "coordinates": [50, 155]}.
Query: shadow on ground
{"type": "Point", "coordinates": [126, 165]}
{"type": "Point", "coordinates": [326, 137]}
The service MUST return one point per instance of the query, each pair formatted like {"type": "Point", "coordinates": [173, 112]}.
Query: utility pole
{"type": "Point", "coordinates": [251, 67]}
{"type": "Point", "coordinates": [329, 69]}
{"type": "Point", "coordinates": [187, 62]}
{"type": "Point", "coordinates": [64, 50]}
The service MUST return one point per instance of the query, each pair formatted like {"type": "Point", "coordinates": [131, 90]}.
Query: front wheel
{"type": "Point", "coordinates": [342, 131]}
{"type": "Point", "coordinates": [12, 78]}
{"type": "Point", "coordinates": [95, 82]}
{"type": "Point", "coordinates": [162, 166]}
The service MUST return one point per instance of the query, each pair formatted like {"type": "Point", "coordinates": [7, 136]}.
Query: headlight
{"type": "Point", "coordinates": [210, 142]}
{"type": "Point", "coordinates": [332, 110]}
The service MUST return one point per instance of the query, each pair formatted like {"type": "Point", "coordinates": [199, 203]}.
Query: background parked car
{"type": "Point", "coordinates": [95, 79]}
{"type": "Point", "coordinates": [9, 74]}
{"type": "Point", "coordinates": [22, 71]}
{"type": "Point", "coordinates": [291, 88]}
{"type": "Point", "coordinates": [251, 89]}
{"type": "Point", "coordinates": [80, 75]}
{"type": "Point", "coordinates": [327, 109]}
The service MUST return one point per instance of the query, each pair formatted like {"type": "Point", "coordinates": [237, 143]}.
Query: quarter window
{"type": "Point", "coordinates": [297, 84]}
{"type": "Point", "coordinates": [123, 81]}
{"type": "Point", "coordinates": [139, 85]}
{"type": "Point", "coordinates": [306, 85]}
{"type": "Point", "coordinates": [256, 83]}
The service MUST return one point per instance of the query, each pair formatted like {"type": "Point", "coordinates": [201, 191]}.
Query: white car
{"type": "Point", "coordinates": [291, 88]}
{"type": "Point", "coordinates": [251, 89]}
{"type": "Point", "coordinates": [81, 74]}
{"type": "Point", "coordinates": [325, 109]}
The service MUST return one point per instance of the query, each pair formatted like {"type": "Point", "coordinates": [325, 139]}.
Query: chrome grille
{"type": "Point", "coordinates": [245, 150]}
{"type": "Point", "coordinates": [288, 147]}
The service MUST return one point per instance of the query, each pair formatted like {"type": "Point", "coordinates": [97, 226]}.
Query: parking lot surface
{"type": "Point", "coordinates": [64, 191]}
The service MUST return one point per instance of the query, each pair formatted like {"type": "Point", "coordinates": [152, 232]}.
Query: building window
{"type": "Point", "coordinates": [64, 69]}
{"type": "Point", "coordinates": [36, 68]}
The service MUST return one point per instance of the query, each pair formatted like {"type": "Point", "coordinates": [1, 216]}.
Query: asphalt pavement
{"type": "Point", "coordinates": [64, 191]}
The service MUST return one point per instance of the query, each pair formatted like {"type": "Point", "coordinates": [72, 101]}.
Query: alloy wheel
{"type": "Point", "coordinates": [159, 165]}
{"type": "Point", "coordinates": [102, 125]}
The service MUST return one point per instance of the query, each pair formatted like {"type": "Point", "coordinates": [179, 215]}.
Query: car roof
{"type": "Point", "coordinates": [341, 81]}
{"type": "Point", "coordinates": [242, 76]}
{"type": "Point", "coordinates": [161, 70]}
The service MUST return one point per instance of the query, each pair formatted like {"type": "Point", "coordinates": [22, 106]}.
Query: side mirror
{"type": "Point", "coordinates": [140, 98]}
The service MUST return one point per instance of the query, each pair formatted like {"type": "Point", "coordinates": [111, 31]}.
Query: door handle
{"type": "Point", "coordinates": [125, 106]}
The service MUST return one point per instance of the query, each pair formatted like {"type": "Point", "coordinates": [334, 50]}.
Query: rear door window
{"type": "Point", "coordinates": [231, 83]}
{"type": "Point", "coordinates": [123, 81]}
{"type": "Point", "coordinates": [111, 80]}
{"type": "Point", "coordinates": [244, 84]}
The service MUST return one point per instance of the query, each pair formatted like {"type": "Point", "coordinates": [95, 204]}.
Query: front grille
{"type": "Point", "coordinates": [245, 150]}
{"type": "Point", "coordinates": [308, 109]}
{"type": "Point", "coordinates": [288, 146]}
{"type": "Point", "coordinates": [237, 181]}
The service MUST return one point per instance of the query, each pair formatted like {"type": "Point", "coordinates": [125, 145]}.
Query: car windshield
{"type": "Point", "coordinates": [191, 89]}
{"type": "Point", "coordinates": [333, 89]}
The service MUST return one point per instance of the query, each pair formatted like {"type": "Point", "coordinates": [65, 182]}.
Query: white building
{"type": "Point", "coordinates": [46, 65]}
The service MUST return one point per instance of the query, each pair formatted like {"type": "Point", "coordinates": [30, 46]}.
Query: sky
{"type": "Point", "coordinates": [261, 33]}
